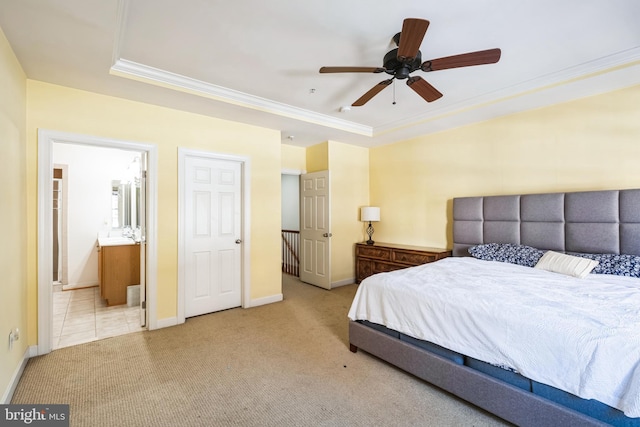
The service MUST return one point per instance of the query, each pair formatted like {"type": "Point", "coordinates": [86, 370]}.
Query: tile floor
{"type": "Point", "coordinates": [81, 316]}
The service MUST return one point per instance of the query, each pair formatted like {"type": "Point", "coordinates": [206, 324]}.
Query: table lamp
{"type": "Point", "coordinates": [369, 214]}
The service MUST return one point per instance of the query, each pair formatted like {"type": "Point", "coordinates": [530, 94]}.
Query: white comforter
{"type": "Point", "coordinates": [579, 335]}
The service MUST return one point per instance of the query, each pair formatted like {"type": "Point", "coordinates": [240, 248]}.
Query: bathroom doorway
{"type": "Point", "coordinates": [87, 201]}
{"type": "Point", "coordinates": [102, 201]}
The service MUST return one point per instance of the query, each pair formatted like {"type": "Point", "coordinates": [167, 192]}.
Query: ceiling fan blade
{"type": "Point", "coordinates": [351, 70]}
{"type": "Point", "coordinates": [413, 31]}
{"type": "Point", "coordinates": [423, 88]}
{"type": "Point", "coordinates": [490, 56]}
{"type": "Point", "coordinates": [371, 93]}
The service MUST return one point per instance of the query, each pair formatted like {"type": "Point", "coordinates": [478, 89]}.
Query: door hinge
{"type": "Point", "coordinates": [144, 174]}
{"type": "Point", "coordinates": [143, 305]}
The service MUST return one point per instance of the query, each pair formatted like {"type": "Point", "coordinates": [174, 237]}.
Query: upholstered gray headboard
{"type": "Point", "coordinates": [588, 221]}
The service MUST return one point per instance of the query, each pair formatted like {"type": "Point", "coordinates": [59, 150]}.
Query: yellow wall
{"type": "Point", "coordinates": [318, 157]}
{"type": "Point", "coordinates": [349, 183]}
{"type": "Point", "coordinates": [294, 158]}
{"type": "Point", "coordinates": [588, 144]}
{"type": "Point", "coordinates": [69, 110]}
{"type": "Point", "coordinates": [13, 249]}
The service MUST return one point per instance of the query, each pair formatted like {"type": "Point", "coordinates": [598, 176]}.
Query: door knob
{"type": "Point", "coordinates": [238, 241]}
{"type": "Point", "coordinates": [327, 235]}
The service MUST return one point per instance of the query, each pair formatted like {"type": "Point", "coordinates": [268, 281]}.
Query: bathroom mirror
{"type": "Point", "coordinates": [125, 204]}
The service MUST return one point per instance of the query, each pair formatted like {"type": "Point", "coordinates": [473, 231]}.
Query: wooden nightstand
{"type": "Point", "coordinates": [381, 257]}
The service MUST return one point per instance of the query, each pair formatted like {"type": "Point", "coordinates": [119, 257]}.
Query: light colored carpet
{"type": "Point", "coordinates": [283, 364]}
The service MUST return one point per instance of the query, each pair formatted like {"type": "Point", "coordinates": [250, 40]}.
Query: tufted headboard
{"type": "Point", "coordinates": [588, 221]}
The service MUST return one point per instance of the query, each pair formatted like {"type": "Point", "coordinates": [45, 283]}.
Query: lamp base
{"type": "Point", "coordinates": [370, 233]}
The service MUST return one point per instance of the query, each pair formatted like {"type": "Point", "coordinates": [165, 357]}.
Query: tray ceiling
{"type": "Point", "coordinates": [257, 62]}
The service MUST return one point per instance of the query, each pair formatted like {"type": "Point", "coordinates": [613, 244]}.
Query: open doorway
{"type": "Point", "coordinates": [96, 219]}
{"type": "Point", "coordinates": [84, 270]}
{"type": "Point", "coordinates": [290, 223]}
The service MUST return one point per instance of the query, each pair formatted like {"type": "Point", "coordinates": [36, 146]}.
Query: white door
{"type": "Point", "coordinates": [315, 231]}
{"type": "Point", "coordinates": [212, 230]}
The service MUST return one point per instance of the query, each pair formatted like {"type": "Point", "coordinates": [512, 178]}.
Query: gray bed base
{"type": "Point", "coordinates": [591, 222]}
{"type": "Point", "coordinates": [510, 403]}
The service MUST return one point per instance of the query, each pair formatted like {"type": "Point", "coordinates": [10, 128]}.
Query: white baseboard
{"type": "Point", "coordinates": [173, 321]}
{"type": "Point", "coordinates": [344, 282]}
{"type": "Point", "coordinates": [15, 378]}
{"type": "Point", "coordinates": [265, 300]}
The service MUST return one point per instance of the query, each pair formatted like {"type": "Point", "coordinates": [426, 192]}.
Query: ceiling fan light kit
{"type": "Point", "coordinates": [407, 58]}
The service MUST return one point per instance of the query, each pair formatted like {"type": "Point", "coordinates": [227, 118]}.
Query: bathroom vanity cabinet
{"type": "Point", "coordinates": [118, 267]}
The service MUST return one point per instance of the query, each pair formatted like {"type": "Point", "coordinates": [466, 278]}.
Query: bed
{"type": "Point", "coordinates": [578, 366]}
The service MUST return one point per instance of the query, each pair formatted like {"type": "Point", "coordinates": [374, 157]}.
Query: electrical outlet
{"type": "Point", "coordinates": [14, 335]}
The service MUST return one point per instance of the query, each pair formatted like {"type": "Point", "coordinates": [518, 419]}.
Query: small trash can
{"type": "Point", "coordinates": [133, 295]}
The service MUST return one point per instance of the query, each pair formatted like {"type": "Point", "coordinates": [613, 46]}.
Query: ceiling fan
{"type": "Point", "coordinates": [406, 59]}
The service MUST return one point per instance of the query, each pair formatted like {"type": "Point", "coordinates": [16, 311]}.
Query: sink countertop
{"type": "Point", "coordinates": [115, 241]}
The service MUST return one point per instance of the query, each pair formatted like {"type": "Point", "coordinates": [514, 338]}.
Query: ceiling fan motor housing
{"type": "Point", "coordinates": [400, 69]}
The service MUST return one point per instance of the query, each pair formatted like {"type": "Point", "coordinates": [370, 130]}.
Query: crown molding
{"type": "Point", "coordinates": [512, 98]}
{"type": "Point", "coordinates": [143, 73]}
{"type": "Point", "coordinates": [549, 83]}
{"type": "Point", "coordinates": [121, 19]}
{"type": "Point", "coordinates": [155, 76]}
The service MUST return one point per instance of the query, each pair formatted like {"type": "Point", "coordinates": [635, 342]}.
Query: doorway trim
{"type": "Point", "coordinates": [245, 189]}
{"type": "Point", "coordinates": [46, 139]}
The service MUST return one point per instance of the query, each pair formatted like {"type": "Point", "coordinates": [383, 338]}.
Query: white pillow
{"type": "Point", "coordinates": [566, 264]}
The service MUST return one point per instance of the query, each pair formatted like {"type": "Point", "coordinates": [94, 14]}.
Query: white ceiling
{"type": "Point", "coordinates": [257, 61]}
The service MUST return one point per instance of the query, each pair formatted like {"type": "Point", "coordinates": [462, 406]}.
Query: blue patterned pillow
{"type": "Point", "coordinates": [507, 252]}
{"type": "Point", "coordinates": [619, 265]}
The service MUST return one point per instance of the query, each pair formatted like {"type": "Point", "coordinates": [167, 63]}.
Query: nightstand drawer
{"type": "Point", "coordinates": [413, 258]}
{"type": "Point", "coordinates": [383, 267]}
{"type": "Point", "coordinates": [373, 252]}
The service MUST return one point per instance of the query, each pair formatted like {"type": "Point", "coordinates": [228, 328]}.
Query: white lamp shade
{"type": "Point", "coordinates": [369, 213]}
